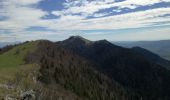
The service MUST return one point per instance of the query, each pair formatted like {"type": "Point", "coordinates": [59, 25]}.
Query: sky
{"type": "Point", "coordinates": [114, 20]}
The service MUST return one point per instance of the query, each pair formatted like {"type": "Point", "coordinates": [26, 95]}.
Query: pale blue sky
{"type": "Point", "coordinates": [115, 20]}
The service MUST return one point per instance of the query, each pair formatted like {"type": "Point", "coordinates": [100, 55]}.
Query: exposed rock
{"type": "Point", "coordinates": [9, 97]}
{"type": "Point", "coordinates": [28, 95]}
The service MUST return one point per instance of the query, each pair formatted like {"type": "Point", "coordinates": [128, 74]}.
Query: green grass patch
{"type": "Point", "coordinates": [22, 79]}
{"type": "Point", "coordinates": [11, 61]}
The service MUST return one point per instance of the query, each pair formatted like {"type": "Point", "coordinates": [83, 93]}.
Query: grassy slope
{"type": "Point", "coordinates": [14, 70]}
{"type": "Point", "coordinates": [12, 66]}
{"type": "Point", "coordinates": [11, 61]}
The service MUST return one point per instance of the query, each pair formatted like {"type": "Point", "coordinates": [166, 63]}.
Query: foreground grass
{"type": "Point", "coordinates": [15, 56]}
{"type": "Point", "coordinates": [13, 69]}
{"type": "Point", "coordinates": [12, 60]}
{"type": "Point", "coordinates": [22, 80]}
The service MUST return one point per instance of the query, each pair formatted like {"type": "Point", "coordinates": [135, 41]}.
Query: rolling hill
{"type": "Point", "coordinates": [80, 69]}
{"type": "Point", "coordinates": [127, 67]}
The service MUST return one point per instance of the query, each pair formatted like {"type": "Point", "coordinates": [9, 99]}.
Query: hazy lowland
{"type": "Point", "coordinates": [161, 47]}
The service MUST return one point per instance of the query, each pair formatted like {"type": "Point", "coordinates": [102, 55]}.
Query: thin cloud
{"type": "Point", "coordinates": [20, 15]}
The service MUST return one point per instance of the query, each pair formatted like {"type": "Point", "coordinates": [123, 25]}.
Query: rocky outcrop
{"type": "Point", "coordinates": [28, 95]}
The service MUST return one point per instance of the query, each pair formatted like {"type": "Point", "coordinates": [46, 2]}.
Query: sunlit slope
{"type": "Point", "coordinates": [12, 60]}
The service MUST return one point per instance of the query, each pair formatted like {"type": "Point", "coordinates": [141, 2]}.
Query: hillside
{"type": "Point", "coordinates": [61, 74]}
{"type": "Point", "coordinates": [127, 67]}
{"type": "Point", "coordinates": [12, 64]}
{"type": "Point", "coordinates": [13, 57]}
{"type": "Point", "coordinates": [80, 69]}
{"type": "Point", "coordinates": [152, 57]}
{"type": "Point", "coordinates": [17, 77]}
{"type": "Point", "coordinates": [161, 48]}
{"type": "Point", "coordinates": [60, 66]}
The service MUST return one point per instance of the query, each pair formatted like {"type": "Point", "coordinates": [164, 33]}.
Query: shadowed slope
{"type": "Point", "coordinates": [152, 57]}
{"type": "Point", "coordinates": [161, 47]}
{"type": "Point", "coordinates": [60, 66]}
{"type": "Point", "coordinates": [127, 67]}
{"type": "Point", "coordinates": [80, 69]}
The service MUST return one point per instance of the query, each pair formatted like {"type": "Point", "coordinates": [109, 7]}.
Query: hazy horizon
{"type": "Point", "coordinates": [119, 41]}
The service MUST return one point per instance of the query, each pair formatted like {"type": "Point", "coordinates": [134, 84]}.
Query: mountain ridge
{"type": "Point", "coordinates": [119, 63]}
{"type": "Point", "coordinates": [96, 70]}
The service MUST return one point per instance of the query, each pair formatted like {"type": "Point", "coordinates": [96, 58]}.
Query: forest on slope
{"type": "Point", "coordinates": [80, 69]}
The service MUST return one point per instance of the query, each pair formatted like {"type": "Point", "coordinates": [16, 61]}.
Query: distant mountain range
{"type": "Point", "coordinates": [161, 47]}
{"type": "Point", "coordinates": [2, 44]}
{"type": "Point", "coordinates": [80, 69]}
